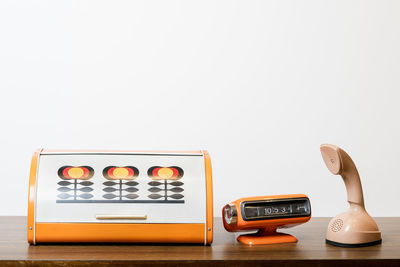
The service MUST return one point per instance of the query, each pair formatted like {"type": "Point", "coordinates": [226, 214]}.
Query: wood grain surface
{"type": "Point", "coordinates": [311, 250]}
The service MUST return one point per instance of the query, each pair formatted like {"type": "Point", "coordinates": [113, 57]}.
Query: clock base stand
{"type": "Point", "coordinates": [263, 238]}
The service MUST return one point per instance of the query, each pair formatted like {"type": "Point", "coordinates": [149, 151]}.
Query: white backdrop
{"type": "Point", "coordinates": [260, 84]}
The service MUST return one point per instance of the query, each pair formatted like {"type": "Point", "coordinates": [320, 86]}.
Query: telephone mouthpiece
{"type": "Point", "coordinates": [332, 158]}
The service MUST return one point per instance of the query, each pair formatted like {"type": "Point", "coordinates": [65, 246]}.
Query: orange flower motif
{"type": "Point", "coordinates": [75, 172]}
{"type": "Point", "coordinates": [165, 173]}
{"type": "Point", "coordinates": [120, 173]}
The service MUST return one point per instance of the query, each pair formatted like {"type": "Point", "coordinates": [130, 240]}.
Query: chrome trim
{"type": "Point", "coordinates": [120, 153]}
{"type": "Point", "coordinates": [120, 217]}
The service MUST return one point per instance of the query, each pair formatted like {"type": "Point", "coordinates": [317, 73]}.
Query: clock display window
{"type": "Point", "coordinates": [278, 208]}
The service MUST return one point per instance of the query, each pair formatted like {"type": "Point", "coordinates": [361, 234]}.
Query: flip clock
{"type": "Point", "coordinates": [266, 214]}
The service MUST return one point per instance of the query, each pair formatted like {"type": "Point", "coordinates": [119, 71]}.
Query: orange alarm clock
{"type": "Point", "coordinates": [267, 214]}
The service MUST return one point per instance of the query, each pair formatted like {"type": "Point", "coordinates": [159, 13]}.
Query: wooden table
{"type": "Point", "coordinates": [225, 251]}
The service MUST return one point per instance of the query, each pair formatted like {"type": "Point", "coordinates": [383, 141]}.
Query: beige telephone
{"type": "Point", "coordinates": [355, 227]}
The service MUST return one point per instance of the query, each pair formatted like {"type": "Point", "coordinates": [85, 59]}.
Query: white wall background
{"type": "Point", "coordinates": [260, 84]}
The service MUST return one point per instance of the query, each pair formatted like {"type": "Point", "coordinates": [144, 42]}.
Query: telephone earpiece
{"type": "Point", "coordinates": [355, 227]}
